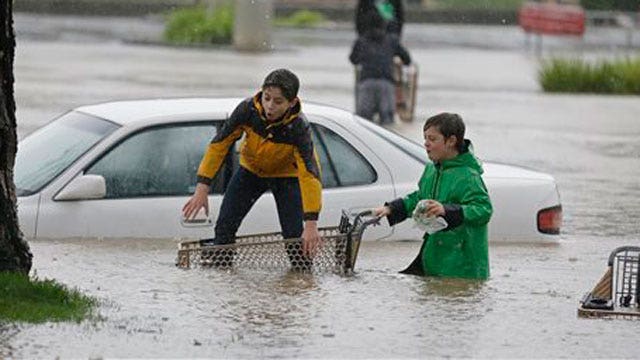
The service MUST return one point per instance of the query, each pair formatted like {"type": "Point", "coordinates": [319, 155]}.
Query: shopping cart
{"type": "Point", "coordinates": [406, 77]}
{"type": "Point", "coordinates": [270, 251]}
{"type": "Point", "coordinates": [617, 294]}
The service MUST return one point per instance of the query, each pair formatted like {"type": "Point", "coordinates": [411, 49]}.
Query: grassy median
{"type": "Point", "coordinates": [25, 299]}
{"type": "Point", "coordinates": [621, 77]}
{"type": "Point", "coordinates": [196, 25]}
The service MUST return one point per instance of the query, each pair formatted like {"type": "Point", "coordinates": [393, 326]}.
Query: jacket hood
{"type": "Point", "coordinates": [288, 116]}
{"type": "Point", "coordinates": [465, 158]}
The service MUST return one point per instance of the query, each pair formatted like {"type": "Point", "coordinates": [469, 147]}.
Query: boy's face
{"type": "Point", "coordinates": [274, 103]}
{"type": "Point", "coordinates": [438, 147]}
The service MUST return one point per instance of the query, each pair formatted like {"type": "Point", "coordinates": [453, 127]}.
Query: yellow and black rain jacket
{"type": "Point", "coordinates": [270, 149]}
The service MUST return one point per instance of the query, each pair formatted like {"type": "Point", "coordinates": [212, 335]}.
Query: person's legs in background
{"type": "Point", "coordinates": [387, 102]}
{"type": "Point", "coordinates": [366, 101]}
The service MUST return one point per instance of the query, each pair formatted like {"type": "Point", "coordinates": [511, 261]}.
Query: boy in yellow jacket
{"type": "Point", "coordinates": [277, 154]}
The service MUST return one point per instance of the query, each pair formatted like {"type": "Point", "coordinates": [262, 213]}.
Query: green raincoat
{"type": "Point", "coordinates": [460, 250]}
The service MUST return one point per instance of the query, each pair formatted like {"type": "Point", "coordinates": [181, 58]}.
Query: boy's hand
{"type": "Point", "coordinates": [381, 211]}
{"type": "Point", "coordinates": [433, 208]}
{"type": "Point", "coordinates": [311, 239]}
{"type": "Point", "coordinates": [199, 200]}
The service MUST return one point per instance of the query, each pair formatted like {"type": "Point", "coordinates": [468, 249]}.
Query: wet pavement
{"type": "Point", "coordinates": [527, 308]}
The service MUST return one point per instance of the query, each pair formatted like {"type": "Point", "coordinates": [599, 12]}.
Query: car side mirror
{"type": "Point", "coordinates": [84, 187]}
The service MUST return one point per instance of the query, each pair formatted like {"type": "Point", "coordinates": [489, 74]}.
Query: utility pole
{"type": "Point", "coordinates": [252, 27]}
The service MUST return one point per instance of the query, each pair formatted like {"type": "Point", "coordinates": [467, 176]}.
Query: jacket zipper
{"type": "Point", "coordinates": [436, 183]}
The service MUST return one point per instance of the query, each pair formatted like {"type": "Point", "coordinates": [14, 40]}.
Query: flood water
{"type": "Point", "coordinates": [149, 308]}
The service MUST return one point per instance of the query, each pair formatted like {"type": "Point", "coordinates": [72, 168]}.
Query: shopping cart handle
{"type": "Point", "coordinates": [365, 223]}
{"type": "Point", "coordinates": [368, 212]}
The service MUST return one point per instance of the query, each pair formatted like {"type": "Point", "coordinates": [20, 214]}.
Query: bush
{"type": "Point", "coordinates": [605, 77]}
{"type": "Point", "coordinates": [38, 301]}
{"type": "Point", "coordinates": [194, 25]}
{"type": "Point", "coordinates": [622, 5]}
{"type": "Point", "coordinates": [477, 4]}
{"type": "Point", "coordinates": [302, 18]}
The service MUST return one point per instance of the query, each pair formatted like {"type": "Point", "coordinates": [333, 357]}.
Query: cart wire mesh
{"type": "Point", "coordinates": [271, 252]}
{"type": "Point", "coordinates": [617, 294]}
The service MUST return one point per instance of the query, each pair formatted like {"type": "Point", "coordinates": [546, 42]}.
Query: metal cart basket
{"type": "Point", "coordinates": [617, 294]}
{"type": "Point", "coordinates": [270, 251]}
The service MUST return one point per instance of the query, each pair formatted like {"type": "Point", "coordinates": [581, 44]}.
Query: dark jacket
{"type": "Point", "coordinates": [460, 250]}
{"type": "Point", "coordinates": [374, 52]}
{"type": "Point", "coordinates": [280, 149]}
{"type": "Point", "coordinates": [394, 26]}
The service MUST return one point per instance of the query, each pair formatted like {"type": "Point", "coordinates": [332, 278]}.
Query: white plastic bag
{"type": "Point", "coordinates": [430, 224]}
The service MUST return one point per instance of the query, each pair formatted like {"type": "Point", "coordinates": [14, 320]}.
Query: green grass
{"type": "Point", "coordinates": [604, 77]}
{"type": "Point", "coordinates": [194, 25]}
{"type": "Point", "coordinates": [301, 19]}
{"type": "Point", "coordinates": [24, 299]}
{"type": "Point", "coordinates": [477, 4]}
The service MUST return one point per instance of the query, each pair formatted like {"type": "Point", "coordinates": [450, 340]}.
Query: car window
{"type": "Point", "coordinates": [407, 146]}
{"type": "Point", "coordinates": [46, 153]}
{"type": "Point", "coordinates": [342, 164]}
{"type": "Point", "coordinates": [161, 161]}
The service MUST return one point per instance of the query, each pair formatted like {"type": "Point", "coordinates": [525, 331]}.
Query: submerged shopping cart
{"type": "Point", "coordinates": [270, 251]}
{"type": "Point", "coordinates": [617, 294]}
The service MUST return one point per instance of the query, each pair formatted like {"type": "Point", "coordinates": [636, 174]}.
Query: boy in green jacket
{"type": "Point", "coordinates": [452, 188]}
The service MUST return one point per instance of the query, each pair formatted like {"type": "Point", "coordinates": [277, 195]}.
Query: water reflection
{"type": "Point", "coordinates": [450, 288]}
{"type": "Point", "coordinates": [265, 307]}
{"type": "Point", "coordinates": [7, 332]}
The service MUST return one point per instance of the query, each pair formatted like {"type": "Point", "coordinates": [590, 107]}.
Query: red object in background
{"type": "Point", "coordinates": [552, 18]}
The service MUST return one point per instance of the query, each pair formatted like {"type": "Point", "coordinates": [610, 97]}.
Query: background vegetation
{"type": "Point", "coordinates": [623, 5]}
{"type": "Point", "coordinates": [301, 18]}
{"type": "Point", "coordinates": [196, 25]}
{"type": "Point", "coordinates": [476, 4]}
{"type": "Point", "coordinates": [603, 77]}
{"type": "Point", "coordinates": [24, 299]}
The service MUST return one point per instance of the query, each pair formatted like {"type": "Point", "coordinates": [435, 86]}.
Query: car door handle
{"type": "Point", "coordinates": [196, 222]}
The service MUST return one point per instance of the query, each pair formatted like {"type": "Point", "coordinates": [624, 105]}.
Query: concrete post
{"type": "Point", "coordinates": [211, 6]}
{"type": "Point", "coordinates": [252, 26]}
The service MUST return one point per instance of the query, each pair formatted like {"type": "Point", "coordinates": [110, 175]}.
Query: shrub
{"type": "Point", "coordinates": [301, 18]}
{"type": "Point", "coordinates": [194, 25]}
{"type": "Point", "coordinates": [621, 5]}
{"type": "Point", "coordinates": [477, 4]}
{"type": "Point", "coordinates": [604, 77]}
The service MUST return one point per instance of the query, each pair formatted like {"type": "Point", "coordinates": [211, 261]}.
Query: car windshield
{"type": "Point", "coordinates": [409, 147]}
{"type": "Point", "coordinates": [50, 150]}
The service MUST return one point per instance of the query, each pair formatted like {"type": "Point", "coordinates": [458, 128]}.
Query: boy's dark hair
{"type": "Point", "coordinates": [449, 124]}
{"type": "Point", "coordinates": [285, 80]}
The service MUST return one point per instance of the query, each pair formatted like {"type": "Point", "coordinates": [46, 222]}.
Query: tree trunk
{"type": "Point", "coordinates": [14, 250]}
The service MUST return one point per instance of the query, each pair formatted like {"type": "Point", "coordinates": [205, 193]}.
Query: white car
{"type": "Point", "coordinates": [125, 169]}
